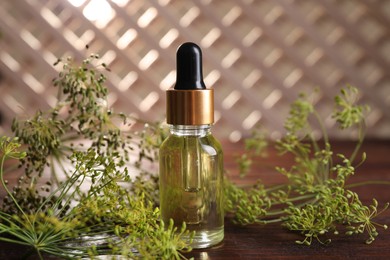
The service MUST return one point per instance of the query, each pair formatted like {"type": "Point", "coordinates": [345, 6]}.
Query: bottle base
{"type": "Point", "coordinates": [204, 239]}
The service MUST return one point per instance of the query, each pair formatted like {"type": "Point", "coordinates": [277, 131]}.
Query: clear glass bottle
{"type": "Point", "coordinates": [191, 179]}
{"type": "Point", "coordinates": [191, 159]}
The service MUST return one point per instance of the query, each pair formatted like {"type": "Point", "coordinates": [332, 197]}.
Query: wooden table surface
{"type": "Point", "coordinates": [275, 242]}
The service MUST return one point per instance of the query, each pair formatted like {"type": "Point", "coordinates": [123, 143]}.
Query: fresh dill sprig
{"type": "Point", "coordinates": [80, 120]}
{"type": "Point", "coordinates": [315, 200]}
{"type": "Point", "coordinates": [90, 205]}
{"type": "Point", "coordinates": [107, 219]}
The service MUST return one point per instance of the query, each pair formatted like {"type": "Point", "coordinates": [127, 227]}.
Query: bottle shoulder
{"type": "Point", "coordinates": [208, 143]}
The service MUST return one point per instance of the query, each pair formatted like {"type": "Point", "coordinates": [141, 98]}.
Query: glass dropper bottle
{"type": "Point", "coordinates": [191, 159]}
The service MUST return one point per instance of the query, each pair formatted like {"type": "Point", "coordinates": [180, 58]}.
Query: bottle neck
{"type": "Point", "coordinates": [190, 130]}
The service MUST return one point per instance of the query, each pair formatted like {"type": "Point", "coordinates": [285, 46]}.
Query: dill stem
{"type": "Point", "coordinates": [322, 127]}
{"type": "Point", "coordinates": [54, 175]}
{"type": "Point", "coordinates": [70, 138]}
{"type": "Point", "coordinates": [269, 221]}
{"type": "Point", "coordinates": [360, 141]}
{"type": "Point", "coordinates": [298, 198]}
{"type": "Point", "coordinates": [358, 184]}
{"type": "Point", "coordinates": [8, 191]}
{"type": "Point", "coordinates": [275, 213]}
{"type": "Point", "coordinates": [4, 239]}
{"type": "Point", "coordinates": [39, 253]}
{"type": "Point", "coordinates": [276, 187]}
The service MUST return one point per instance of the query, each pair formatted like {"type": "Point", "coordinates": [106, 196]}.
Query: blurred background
{"type": "Point", "coordinates": [258, 55]}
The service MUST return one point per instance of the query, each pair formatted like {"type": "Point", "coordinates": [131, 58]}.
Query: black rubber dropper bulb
{"type": "Point", "coordinates": [189, 74]}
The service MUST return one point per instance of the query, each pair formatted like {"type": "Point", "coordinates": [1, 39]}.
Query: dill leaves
{"type": "Point", "coordinates": [315, 201]}
{"type": "Point", "coordinates": [92, 204]}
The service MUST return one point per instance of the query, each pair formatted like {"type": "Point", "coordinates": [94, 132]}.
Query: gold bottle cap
{"type": "Point", "coordinates": [190, 107]}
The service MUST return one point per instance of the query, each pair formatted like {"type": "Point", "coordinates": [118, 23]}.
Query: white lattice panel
{"type": "Point", "coordinates": [257, 54]}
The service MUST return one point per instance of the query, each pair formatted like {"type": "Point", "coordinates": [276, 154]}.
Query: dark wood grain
{"type": "Point", "coordinates": [273, 241]}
